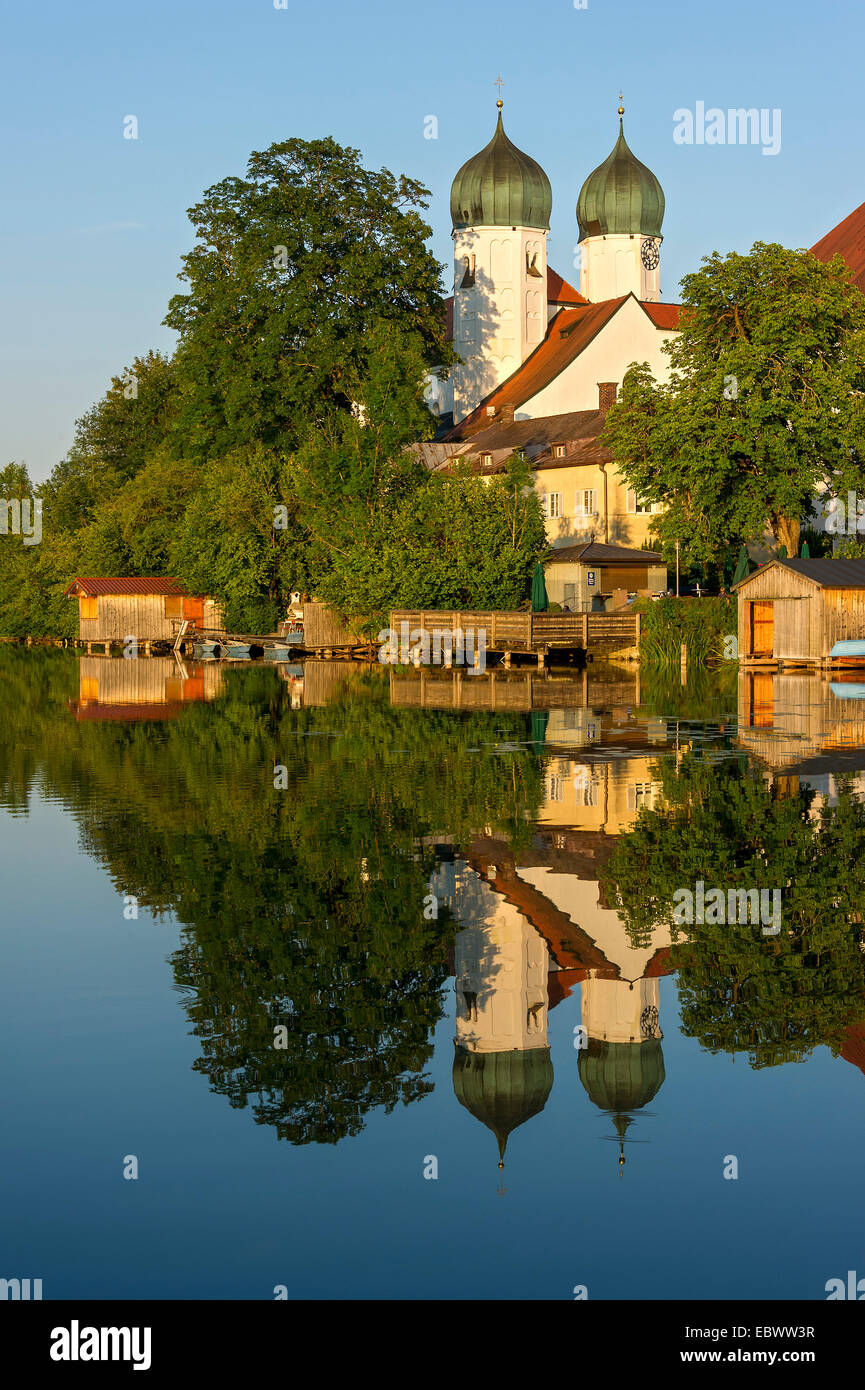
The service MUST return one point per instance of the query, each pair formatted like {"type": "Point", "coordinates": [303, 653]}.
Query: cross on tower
{"type": "Point", "coordinates": [499, 83]}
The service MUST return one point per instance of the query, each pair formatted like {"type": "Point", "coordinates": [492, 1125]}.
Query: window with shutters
{"type": "Point", "coordinates": [90, 608]}
{"type": "Point", "coordinates": [553, 504]}
{"type": "Point", "coordinates": [635, 506]}
{"type": "Point", "coordinates": [173, 606]}
{"type": "Point", "coordinates": [555, 788]}
{"type": "Point", "coordinates": [642, 794]}
{"type": "Point", "coordinates": [587, 501]}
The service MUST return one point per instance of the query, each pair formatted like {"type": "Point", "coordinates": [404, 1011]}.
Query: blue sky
{"type": "Point", "coordinates": [94, 225]}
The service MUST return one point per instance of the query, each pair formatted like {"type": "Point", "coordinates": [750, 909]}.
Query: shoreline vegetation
{"type": "Point", "coordinates": [276, 450]}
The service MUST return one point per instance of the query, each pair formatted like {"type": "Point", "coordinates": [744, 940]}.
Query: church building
{"type": "Point", "coordinates": [541, 362]}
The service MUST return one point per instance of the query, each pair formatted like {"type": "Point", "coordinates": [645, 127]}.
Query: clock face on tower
{"type": "Point", "coordinates": [650, 254]}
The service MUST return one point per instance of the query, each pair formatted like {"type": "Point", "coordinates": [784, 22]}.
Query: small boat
{"type": "Point", "coordinates": [848, 690]}
{"type": "Point", "coordinates": [236, 651]}
{"type": "Point", "coordinates": [855, 647]}
{"type": "Point", "coordinates": [206, 651]}
{"type": "Point", "coordinates": [280, 651]}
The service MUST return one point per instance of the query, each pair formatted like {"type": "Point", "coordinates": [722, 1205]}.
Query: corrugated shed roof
{"type": "Point", "coordinates": [596, 552]}
{"type": "Point", "coordinates": [93, 588]}
{"type": "Point", "coordinates": [828, 574]}
{"type": "Point", "coordinates": [847, 240]}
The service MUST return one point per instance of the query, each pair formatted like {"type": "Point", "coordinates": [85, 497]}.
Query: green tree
{"type": "Point", "coordinates": [294, 266]}
{"type": "Point", "coordinates": [763, 404]}
{"type": "Point", "coordinates": [774, 996]}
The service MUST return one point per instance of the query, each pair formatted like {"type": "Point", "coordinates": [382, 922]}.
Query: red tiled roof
{"type": "Point", "coordinates": [569, 333]}
{"type": "Point", "coordinates": [91, 588]}
{"type": "Point", "coordinates": [847, 240]}
{"type": "Point", "coordinates": [659, 964]}
{"type": "Point", "coordinates": [853, 1050]}
{"type": "Point", "coordinates": [663, 315]}
{"type": "Point", "coordinates": [83, 709]}
{"type": "Point", "coordinates": [559, 291]}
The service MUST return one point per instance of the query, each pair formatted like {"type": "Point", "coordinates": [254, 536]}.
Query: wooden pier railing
{"type": "Point", "coordinates": [527, 631]}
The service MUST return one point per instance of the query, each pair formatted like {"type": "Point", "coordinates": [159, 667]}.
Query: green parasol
{"type": "Point", "coordinates": [540, 602]}
{"type": "Point", "coordinates": [743, 566]}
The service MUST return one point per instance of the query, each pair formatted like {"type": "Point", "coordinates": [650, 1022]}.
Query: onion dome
{"type": "Point", "coordinates": [620, 1077]}
{"type": "Point", "coordinates": [501, 187]}
{"type": "Point", "coordinates": [503, 1089]}
{"type": "Point", "coordinates": [621, 196]}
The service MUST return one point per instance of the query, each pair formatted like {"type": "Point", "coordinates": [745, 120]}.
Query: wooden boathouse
{"type": "Point", "coordinates": [151, 610]}
{"type": "Point", "coordinates": [794, 611]}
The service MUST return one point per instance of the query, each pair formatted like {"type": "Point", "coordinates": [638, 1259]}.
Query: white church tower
{"type": "Point", "coordinates": [620, 211]}
{"type": "Point", "coordinates": [501, 201]}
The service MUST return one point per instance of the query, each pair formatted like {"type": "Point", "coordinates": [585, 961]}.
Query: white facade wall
{"type": "Point", "coordinates": [501, 318]}
{"type": "Point", "coordinates": [612, 265]}
{"type": "Point", "coordinates": [630, 336]}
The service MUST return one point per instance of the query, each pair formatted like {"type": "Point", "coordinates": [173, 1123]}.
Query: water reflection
{"type": "Point", "coordinates": [552, 819]}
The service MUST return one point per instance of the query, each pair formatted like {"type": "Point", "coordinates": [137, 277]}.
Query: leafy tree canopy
{"type": "Point", "coordinates": [763, 404]}
{"type": "Point", "coordinates": [294, 266]}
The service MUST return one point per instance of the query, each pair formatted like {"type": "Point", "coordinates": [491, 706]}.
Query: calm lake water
{"type": "Point", "coordinates": [315, 948]}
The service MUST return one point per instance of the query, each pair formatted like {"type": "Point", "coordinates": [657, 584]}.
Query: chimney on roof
{"type": "Point", "coordinates": [506, 415]}
{"type": "Point", "coordinates": [607, 392]}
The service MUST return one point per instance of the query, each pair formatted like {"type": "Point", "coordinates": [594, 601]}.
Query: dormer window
{"type": "Point", "coordinates": [558, 451]}
{"type": "Point", "coordinates": [487, 460]}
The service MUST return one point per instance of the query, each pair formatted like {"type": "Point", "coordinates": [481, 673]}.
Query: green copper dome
{"type": "Point", "coordinates": [622, 196]}
{"type": "Point", "coordinates": [621, 1076]}
{"type": "Point", "coordinates": [501, 187]}
{"type": "Point", "coordinates": [503, 1089]}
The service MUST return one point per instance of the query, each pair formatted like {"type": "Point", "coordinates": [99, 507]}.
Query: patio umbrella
{"type": "Point", "coordinates": [540, 602]}
{"type": "Point", "coordinates": [540, 719]}
{"type": "Point", "coordinates": [743, 565]}
{"type": "Point", "coordinates": [805, 553]}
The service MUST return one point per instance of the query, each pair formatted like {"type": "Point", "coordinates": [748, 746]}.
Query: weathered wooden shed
{"type": "Point", "coordinates": [796, 610]}
{"type": "Point", "coordinates": [111, 610]}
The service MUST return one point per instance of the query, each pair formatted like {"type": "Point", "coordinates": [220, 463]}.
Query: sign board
{"type": "Point", "coordinates": [590, 578]}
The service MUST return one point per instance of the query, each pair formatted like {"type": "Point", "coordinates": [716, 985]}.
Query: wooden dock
{"type": "Point", "coordinates": [510, 634]}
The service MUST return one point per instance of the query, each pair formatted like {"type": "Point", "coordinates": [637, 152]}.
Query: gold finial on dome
{"type": "Point", "coordinates": [621, 107]}
{"type": "Point", "coordinates": [499, 83]}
